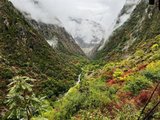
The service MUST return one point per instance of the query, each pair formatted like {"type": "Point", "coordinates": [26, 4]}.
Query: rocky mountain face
{"type": "Point", "coordinates": [25, 52]}
{"type": "Point", "coordinates": [123, 16]}
{"type": "Point", "coordinates": [54, 33]}
{"type": "Point", "coordinates": [140, 26]}
{"type": "Point", "coordinates": [86, 33]}
{"type": "Point", "coordinates": [57, 37]}
{"type": "Point", "coordinates": [125, 13]}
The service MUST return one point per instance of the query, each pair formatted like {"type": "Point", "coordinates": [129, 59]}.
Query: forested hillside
{"type": "Point", "coordinates": [24, 52]}
{"type": "Point", "coordinates": [114, 90]}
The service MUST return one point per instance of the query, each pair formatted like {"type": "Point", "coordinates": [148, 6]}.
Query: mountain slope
{"type": "Point", "coordinates": [57, 37]}
{"type": "Point", "coordinates": [126, 11]}
{"type": "Point", "coordinates": [114, 90]}
{"type": "Point", "coordinates": [106, 90]}
{"type": "Point", "coordinates": [50, 27]}
{"type": "Point", "coordinates": [24, 52]}
{"type": "Point", "coordinates": [123, 16]}
{"type": "Point", "coordinates": [140, 26]}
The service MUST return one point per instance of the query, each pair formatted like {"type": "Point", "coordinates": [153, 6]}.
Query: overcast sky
{"type": "Point", "coordinates": [102, 11]}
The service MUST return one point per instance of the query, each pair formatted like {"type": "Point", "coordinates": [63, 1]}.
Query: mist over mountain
{"type": "Point", "coordinates": [79, 60]}
{"type": "Point", "coordinates": [123, 16]}
{"type": "Point", "coordinates": [83, 19]}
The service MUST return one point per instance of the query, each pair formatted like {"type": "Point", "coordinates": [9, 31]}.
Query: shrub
{"type": "Point", "coordinates": [153, 70]}
{"type": "Point", "coordinates": [22, 72]}
{"type": "Point", "coordinates": [137, 83]}
{"type": "Point", "coordinates": [155, 56]}
{"type": "Point", "coordinates": [142, 97]}
{"type": "Point", "coordinates": [118, 73]}
{"type": "Point", "coordinates": [154, 47]}
{"type": "Point", "coordinates": [21, 100]}
{"type": "Point", "coordinates": [6, 74]}
{"type": "Point", "coordinates": [157, 39]}
{"type": "Point", "coordinates": [139, 53]}
{"type": "Point", "coordinates": [68, 105]}
{"type": "Point", "coordinates": [53, 88]}
{"type": "Point", "coordinates": [128, 112]}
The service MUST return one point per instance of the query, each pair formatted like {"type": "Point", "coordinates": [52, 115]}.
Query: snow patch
{"type": "Point", "coordinates": [53, 42]}
{"type": "Point", "coordinates": [87, 50]}
{"type": "Point", "coordinates": [129, 43]}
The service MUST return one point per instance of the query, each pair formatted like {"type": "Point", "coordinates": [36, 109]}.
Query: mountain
{"type": "Point", "coordinates": [140, 26]}
{"type": "Point", "coordinates": [43, 77]}
{"type": "Point", "coordinates": [88, 34]}
{"type": "Point", "coordinates": [24, 51]}
{"type": "Point", "coordinates": [126, 11]}
{"type": "Point", "coordinates": [55, 34]}
{"type": "Point", "coordinates": [123, 16]}
{"type": "Point", "coordinates": [123, 79]}
{"type": "Point", "coordinates": [57, 37]}
{"type": "Point", "coordinates": [87, 25]}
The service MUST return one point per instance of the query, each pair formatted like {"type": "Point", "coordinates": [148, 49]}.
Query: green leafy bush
{"type": "Point", "coordinates": [153, 71]}
{"type": "Point", "coordinates": [154, 47]}
{"type": "Point", "coordinates": [155, 56]}
{"type": "Point", "coordinates": [117, 73]}
{"type": "Point", "coordinates": [139, 53]}
{"type": "Point", "coordinates": [125, 113]}
{"type": "Point", "coordinates": [53, 88]}
{"type": "Point", "coordinates": [21, 100]}
{"type": "Point", "coordinates": [137, 83]}
{"type": "Point", "coordinates": [68, 105]}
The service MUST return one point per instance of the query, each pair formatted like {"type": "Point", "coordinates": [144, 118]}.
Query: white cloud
{"type": "Point", "coordinates": [102, 11]}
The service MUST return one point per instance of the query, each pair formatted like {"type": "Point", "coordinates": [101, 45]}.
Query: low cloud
{"type": "Point", "coordinates": [102, 11]}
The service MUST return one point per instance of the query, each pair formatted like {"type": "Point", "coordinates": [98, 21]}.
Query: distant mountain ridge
{"type": "Point", "coordinates": [55, 34]}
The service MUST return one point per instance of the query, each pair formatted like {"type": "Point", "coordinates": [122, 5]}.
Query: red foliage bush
{"type": "Point", "coordinates": [125, 96]}
{"type": "Point", "coordinates": [111, 82]}
{"type": "Point", "coordinates": [141, 67]}
{"type": "Point", "coordinates": [112, 107]}
{"type": "Point", "coordinates": [143, 97]}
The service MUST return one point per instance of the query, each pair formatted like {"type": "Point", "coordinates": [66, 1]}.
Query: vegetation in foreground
{"type": "Point", "coordinates": [107, 91]}
{"type": "Point", "coordinates": [24, 52]}
{"type": "Point", "coordinates": [114, 91]}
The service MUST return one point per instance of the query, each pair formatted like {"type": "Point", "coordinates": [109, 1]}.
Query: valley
{"type": "Point", "coordinates": [45, 74]}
